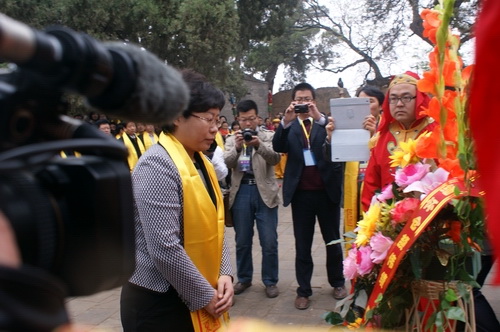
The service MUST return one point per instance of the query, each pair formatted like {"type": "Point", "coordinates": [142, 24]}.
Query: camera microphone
{"type": "Point", "coordinates": [119, 79]}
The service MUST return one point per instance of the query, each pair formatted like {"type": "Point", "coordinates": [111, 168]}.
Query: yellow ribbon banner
{"type": "Point", "coordinates": [429, 207]}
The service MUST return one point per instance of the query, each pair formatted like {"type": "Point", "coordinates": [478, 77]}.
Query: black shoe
{"type": "Point", "coordinates": [240, 287]}
{"type": "Point", "coordinates": [272, 291]}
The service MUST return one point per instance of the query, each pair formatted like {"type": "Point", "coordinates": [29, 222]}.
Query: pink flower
{"type": "Point", "coordinates": [429, 182]}
{"type": "Point", "coordinates": [411, 173]}
{"type": "Point", "coordinates": [380, 245]}
{"type": "Point", "coordinates": [365, 264]}
{"type": "Point", "coordinates": [350, 265]}
{"type": "Point", "coordinates": [385, 194]}
{"type": "Point", "coordinates": [404, 209]}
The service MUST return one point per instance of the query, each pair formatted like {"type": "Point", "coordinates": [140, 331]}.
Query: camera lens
{"type": "Point", "coordinates": [247, 136]}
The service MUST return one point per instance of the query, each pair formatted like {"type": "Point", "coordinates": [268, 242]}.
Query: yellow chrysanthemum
{"type": "Point", "coordinates": [368, 225]}
{"type": "Point", "coordinates": [405, 154]}
{"type": "Point", "coordinates": [356, 324]}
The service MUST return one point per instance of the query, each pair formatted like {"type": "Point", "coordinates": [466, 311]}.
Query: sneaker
{"type": "Point", "coordinates": [302, 302]}
{"type": "Point", "coordinates": [272, 291]}
{"type": "Point", "coordinates": [339, 293]}
{"type": "Point", "coordinates": [240, 287]}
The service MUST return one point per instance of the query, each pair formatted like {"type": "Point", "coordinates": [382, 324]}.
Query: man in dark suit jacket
{"type": "Point", "coordinates": [313, 185]}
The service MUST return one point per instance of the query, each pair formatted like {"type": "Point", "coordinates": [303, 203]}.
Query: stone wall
{"type": "Point", "coordinates": [257, 91]}
{"type": "Point", "coordinates": [282, 99]}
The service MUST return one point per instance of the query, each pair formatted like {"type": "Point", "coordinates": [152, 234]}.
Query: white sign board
{"type": "Point", "coordinates": [349, 140]}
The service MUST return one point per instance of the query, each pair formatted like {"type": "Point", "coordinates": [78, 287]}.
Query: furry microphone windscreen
{"type": "Point", "coordinates": [158, 94]}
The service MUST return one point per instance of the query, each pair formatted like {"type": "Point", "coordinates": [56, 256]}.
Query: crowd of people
{"type": "Point", "coordinates": [178, 200]}
{"type": "Point", "coordinates": [183, 277]}
{"type": "Point", "coordinates": [248, 155]}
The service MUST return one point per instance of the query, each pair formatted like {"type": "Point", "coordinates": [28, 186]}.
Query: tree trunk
{"type": "Point", "coordinates": [271, 75]}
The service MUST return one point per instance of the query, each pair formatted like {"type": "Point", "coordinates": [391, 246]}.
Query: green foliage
{"type": "Point", "coordinates": [296, 47]}
{"type": "Point", "coordinates": [262, 20]}
{"type": "Point", "coordinates": [333, 318]}
{"type": "Point", "coordinates": [207, 38]}
{"type": "Point", "coordinates": [225, 38]}
{"type": "Point", "coordinates": [197, 34]}
{"type": "Point", "coordinates": [448, 310]}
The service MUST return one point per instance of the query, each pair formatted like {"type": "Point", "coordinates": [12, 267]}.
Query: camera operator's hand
{"type": "Point", "coordinates": [330, 127]}
{"type": "Point", "coordinates": [290, 114]}
{"type": "Point", "coordinates": [370, 124]}
{"type": "Point", "coordinates": [9, 253]}
{"type": "Point", "coordinates": [32, 299]}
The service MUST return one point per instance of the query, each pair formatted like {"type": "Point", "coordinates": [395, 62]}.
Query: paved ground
{"type": "Point", "coordinates": [102, 310]}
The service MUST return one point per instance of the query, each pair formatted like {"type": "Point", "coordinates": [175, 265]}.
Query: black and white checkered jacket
{"type": "Point", "coordinates": [161, 260]}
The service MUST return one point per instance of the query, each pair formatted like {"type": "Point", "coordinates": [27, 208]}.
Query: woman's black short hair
{"type": "Point", "coordinates": [203, 95]}
{"type": "Point", "coordinates": [372, 91]}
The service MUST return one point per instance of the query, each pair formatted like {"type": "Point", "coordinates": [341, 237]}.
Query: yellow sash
{"type": "Point", "coordinates": [147, 140]}
{"type": "Point", "coordinates": [132, 154]}
{"type": "Point", "coordinates": [219, 140]}
{"type": "Point", "coordinates": [203, 225]}
{"type": "Point", "coordinates": [351, 195]}
{"type": "Point", "coordinates": [64, 155]}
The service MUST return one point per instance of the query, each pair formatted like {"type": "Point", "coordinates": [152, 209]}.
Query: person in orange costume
{"type": "Point", "coordinates": [401, 120]}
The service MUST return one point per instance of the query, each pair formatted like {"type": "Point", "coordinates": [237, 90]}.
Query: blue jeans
{"type": "Point", "coordinates": [247, 208]}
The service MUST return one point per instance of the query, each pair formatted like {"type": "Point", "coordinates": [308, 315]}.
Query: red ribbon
{"type": "Point", "coordinates": [421, 218]}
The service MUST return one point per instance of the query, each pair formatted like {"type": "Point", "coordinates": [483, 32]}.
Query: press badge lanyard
{"type": "Point", "coordinates": [308, 155]}
{"type": "Point", "coordinates": [308, 134]}
{"type": "Point", "coordinates": [244, 160]}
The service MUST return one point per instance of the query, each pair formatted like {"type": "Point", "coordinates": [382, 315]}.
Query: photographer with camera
{"type": "Point", "coordinates": [254, 197]}
{"type": "Point", "coordinates": [313, 185]}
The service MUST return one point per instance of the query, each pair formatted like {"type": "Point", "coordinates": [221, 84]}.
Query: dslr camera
{"type": "Point", "coordinates": [301, 108]}
{"type": "Point", "coordinates": [248, 134]}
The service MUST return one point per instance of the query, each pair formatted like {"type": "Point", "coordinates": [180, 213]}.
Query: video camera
{"type": "Point", "coordinates": [73, 216]}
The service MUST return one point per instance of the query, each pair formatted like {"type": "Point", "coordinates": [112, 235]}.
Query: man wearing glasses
{"type": "Point", "coordinates": [402, 119]}
{"type": "Point", "coordinates": [313, 186]}
{"type": "Point", "coordinates": [254, 197]}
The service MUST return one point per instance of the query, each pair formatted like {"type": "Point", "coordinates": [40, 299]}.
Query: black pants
{"type": "Point", "coordinates": [306, 206]}
{"type": "Point", "coordinates": [143, 310]}
{"type": "Point", "coordinates": [486, 320]}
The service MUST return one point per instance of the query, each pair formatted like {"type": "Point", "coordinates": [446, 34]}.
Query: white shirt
{"type": "Point", "coordinates": [219, 164]}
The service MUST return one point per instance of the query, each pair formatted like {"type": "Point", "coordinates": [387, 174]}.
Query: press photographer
{"type": "Point", "coordinates": [71, 218]}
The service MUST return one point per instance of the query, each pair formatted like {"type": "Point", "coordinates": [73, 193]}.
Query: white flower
{"type": "Point", "coordinates": [429, 182]}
